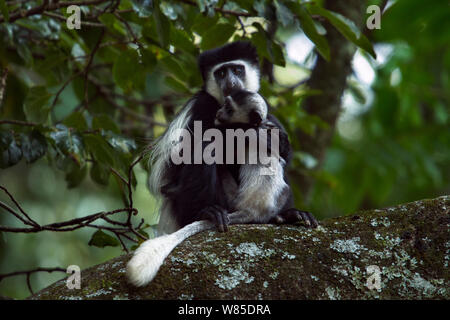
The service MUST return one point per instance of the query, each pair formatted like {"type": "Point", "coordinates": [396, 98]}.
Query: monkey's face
{"type": "Point", "coordinates": [227, 77]}
{"type": "Point", "coordinates": [230, 77]}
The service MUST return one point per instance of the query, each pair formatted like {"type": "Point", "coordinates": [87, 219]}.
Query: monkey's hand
{"type": "Point", "coordinates": [269, 125]}
{"type": "Point", "coordinates": [292, 216]}
{"type": "Point", "coordinates": [217, 215]}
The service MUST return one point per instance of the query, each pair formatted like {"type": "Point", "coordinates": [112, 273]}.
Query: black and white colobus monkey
{"type": "Point", "coordinates": [190, 191]}
{"type": "Point", "coordinates": [194, 196]}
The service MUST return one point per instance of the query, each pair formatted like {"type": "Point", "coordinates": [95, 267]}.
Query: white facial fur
{"type": "Point", "coordinates": [251, 82]}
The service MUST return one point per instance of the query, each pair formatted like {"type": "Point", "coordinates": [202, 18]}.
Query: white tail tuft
{"type": "Point", "coordinates": [150, 255]}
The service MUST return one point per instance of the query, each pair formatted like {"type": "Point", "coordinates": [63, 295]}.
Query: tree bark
{"type": "Point", "coordinates": [395, 253]}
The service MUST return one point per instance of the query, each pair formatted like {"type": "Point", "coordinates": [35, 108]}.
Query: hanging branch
{"type": "Point", "coordinates": [3, 84]}
{"type": "Point", "coordinates": [120, 229]}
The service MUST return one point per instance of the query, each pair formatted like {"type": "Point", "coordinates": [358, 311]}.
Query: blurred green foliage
{"type": "Point", "coordinates": [401, 150]}
{"type": "Point", "coordinates": [80, 103]}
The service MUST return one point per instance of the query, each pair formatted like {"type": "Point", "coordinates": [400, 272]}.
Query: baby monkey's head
{"type": "Point", "coordinates": [244, 107]}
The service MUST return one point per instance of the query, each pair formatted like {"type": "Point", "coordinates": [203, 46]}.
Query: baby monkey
{"type": "Point", "coordinates": [261, 194]}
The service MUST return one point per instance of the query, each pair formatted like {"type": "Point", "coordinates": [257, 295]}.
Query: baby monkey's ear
{"type": "Point", "coordinates": [254, 118]}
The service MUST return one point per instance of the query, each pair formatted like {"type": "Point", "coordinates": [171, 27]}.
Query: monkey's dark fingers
{"type": "Point", "coordinates": [309, 219]}
{"type": "Point", "coordinates": [222, 220]}
{"type": "Point", "coordinates": [217, 215]}
{"type": "Point", "coordinates": [293, 215]}
{"type": "Point", "coordinates": [277, 220]}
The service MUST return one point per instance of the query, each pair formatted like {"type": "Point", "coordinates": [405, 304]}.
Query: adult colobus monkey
{"type": "Point", "coordinates": [195, 195]}
{"type": "Point", "coordinates": [190, 191]}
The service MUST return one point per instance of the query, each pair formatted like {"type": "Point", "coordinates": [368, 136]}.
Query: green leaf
{"type": "Point", "coordinates": [67, 143]}
{"type": "Point", "coordinates": [149, 60]}
{"type": "Point", "coordinates": [76, 120]}
{"type": "Point", "coordinates": [277, 54]}
{"type": "Point", "coordinates": [75, 176]}
{"type": "Point", "coordinates": [108, 19]}
{"type": "Point", "coordinates": [36, 105]}
{"type": "Point", "coordinates": [100, 149]}
{"type": "Point", "coordinates": [101, 239]}
{"type": "Point", "coordinates": [10, 153]}
{"type": "Point", "coordinates": [202, 24]}
{"type": "Point", "coordinates": [181, 41]}
{"type": "Point", "coordinates": [162, 26]}
{"type": "Point", "coordinates": [217, 35]}
{"type": "Point", "coordinates": [346, 27]}
{"type": "Point", "coordinates": [266, 47]}
{"type": "Point", "coordinates": [119, 143]}
{"type": "Point", "coordinates": [309, 28]}
{"type": "Point", "coordinates": [104, 122]}
{"type": "Point", "coordinates": [100, 173]}
{"type": "Point", "coordinates": [33, 146]}
{"type": "Point", "coordinates": [284, 15]}
{"type": "Point", "coordinates": [24, 52]}
{"type": "Point", "coordinates": [127, 71]}
{"type": "Point", "coordinates": [142, 7]}
{"type": "Point", "coordinates": [176, 85]}
{"type": "Point", "coordinates": [4, 10]}
{"type": "Point", "coordinates": [171, 10]}
{"type": "Point", "coordinates": [173, 66]}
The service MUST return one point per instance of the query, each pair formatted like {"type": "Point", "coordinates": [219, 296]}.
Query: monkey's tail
{"type": "Point", "coordinates": [150, 255]}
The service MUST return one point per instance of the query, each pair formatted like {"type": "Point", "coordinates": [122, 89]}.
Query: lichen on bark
{"type": "Point", "coordinates": [400, 252]}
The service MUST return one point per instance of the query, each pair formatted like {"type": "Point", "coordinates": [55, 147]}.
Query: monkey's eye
{"type": "Point", "coordinates": [238, 70]}
{"type": "Point", "coordinates": [220, 73]}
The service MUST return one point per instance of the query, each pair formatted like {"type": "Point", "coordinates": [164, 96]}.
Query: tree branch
{"type": "Point", "coordinates": [223, 11]}
{"type": "Point", "coordinates": [46, 6]}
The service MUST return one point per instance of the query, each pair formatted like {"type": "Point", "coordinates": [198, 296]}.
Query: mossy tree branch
{"type": "Point", "coordinates": [394, 253]}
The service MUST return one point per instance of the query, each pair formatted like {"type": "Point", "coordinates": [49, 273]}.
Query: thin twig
{"type": "Point", "coordinates": [84, 23]}
{"type": "Point", "coordinates": [30, 221]}
{"type": "Point", "coordinates": [86, 70]}
{"type": "Point", "coordinates": [244, 33]}
{"type": "Point", "coordinates": [46, 6]}
{"type": "Point", "coordinates": [221, 10]}
{"type": "Point", "coordinates": [28, 273]}
{"type": "Point", "coordinates": [19, 123]}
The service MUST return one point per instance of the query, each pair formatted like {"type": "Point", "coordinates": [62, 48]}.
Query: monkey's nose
{"type": "Point", "coordinates": [229, 88]}
{"type": "Point", "coordinates": [227, 91]}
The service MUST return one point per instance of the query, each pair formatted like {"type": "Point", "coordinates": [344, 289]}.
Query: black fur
{"type": "Point", "coordinates": [192, 187]}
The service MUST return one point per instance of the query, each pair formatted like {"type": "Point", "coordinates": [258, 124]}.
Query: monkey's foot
{"type": "Point", "coordinates": [217, 215]}
{"type": "Point", "coordinates": [292, 216]}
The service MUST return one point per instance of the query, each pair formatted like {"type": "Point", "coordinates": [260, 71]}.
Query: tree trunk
{"type": "Point", "coordinates": [329, 78]}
